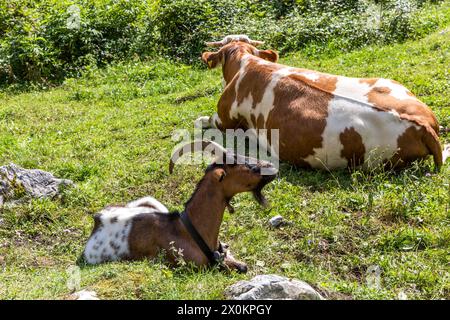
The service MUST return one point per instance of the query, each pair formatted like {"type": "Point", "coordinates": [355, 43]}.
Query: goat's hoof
{"type": "Point", "coordinates": [242, 268]}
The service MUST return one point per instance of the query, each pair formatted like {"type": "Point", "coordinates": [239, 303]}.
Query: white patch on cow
{"type": "Point", "coordinates": [245, 108]}
{"type": "Point", "coordinates": [313, 76]}
{"type": "Point", "coordinates": [349, 109]}
{"type": "Point", "coordinates": [397, 90]}
{"type": "Point", "coordinates": [352, 89]}
{"type": "Point", "coordinates": [110, 240]}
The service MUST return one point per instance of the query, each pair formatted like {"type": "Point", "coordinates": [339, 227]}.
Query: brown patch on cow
{"type": "Point", "coordinates": [248, 86]}
{"type": "Point", "coordinates": [370, 81]}
{"type": "Point", "coordinates": [410, 148]}
{"type": "Point", "coordinates": [408, 109]}
{"type": "Point", "coordinates": [253, 119]}
{"type": "Point", "coordinates": [382, 90]}
{"type": "Point", "coordinates": [418, 113]}
{"type": "Point", "coordinates": [301, 111]}
{"type": "Point", "coordinates": [325, 82]}
{"type": "Point", "coordinates": [260, 123]}
{"type": "Point", "coordinates": [354, 148]}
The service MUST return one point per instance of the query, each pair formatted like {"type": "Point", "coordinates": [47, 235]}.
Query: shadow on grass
{"type": "Point", "coordinates": [321, 180]}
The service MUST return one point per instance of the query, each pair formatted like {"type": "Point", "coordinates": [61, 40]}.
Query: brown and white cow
{"type": "Point", "coordinates": [325, 121]}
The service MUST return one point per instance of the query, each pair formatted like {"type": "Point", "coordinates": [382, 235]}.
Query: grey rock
{"type": "Point", "coordinates": [17, 182]}
{"type": "Point", "coordinates": [276, 221]}
{"type": "Point", "coordinates": [272, 287]}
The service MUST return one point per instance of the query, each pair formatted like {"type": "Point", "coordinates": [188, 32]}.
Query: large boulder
{"type": "Point", "coordinates": [17, 182]}
{"type": "Point", "coordinates": [272, 287]}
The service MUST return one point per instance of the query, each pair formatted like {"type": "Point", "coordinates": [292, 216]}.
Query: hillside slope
{"type": "Point", "coordinates": [110, 131]}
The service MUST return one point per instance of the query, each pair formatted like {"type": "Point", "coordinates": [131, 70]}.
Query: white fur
{"type": "Point", "coordinates": [149, 202]}
{"type": "Point", "coordinates": [110, 241]}
{"type": "Point", "coordinates": [397, 91]}
{"type": "Point", "coordinates": [313, 76]}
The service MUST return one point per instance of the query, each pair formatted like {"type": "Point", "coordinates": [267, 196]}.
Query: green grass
{"type": "Point", "coordinates": [110, 131]}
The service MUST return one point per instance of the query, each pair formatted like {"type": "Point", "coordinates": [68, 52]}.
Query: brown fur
{"type": "Point", "coordinates": [354, 148]}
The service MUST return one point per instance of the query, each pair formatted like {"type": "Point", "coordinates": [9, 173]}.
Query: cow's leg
{"type": "Point", "coordinates": [206, 122]}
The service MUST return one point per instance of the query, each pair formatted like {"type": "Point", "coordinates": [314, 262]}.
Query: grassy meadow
{"type": "Point", "coordinates": [110, 132]}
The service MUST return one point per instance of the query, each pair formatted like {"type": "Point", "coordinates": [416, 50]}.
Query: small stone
{"type": "Point", "coordinates": [402, 296]}
{"type": "Point", "coordinates": [272, 287]}
{"type": "Point", "coordinates": [276, 221]}
{"type": "Point", "coordinates": [285, 266]}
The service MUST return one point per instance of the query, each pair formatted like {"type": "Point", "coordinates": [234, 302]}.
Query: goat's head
{"type": "Point", "coordinates": [235, 173]}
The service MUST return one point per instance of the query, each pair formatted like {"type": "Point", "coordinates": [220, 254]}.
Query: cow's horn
{"type": "Point", "coordinates": [178, 153]}
{"type": "Point", "coordinates": [214, 44]}
{"type": "Point", "coordinates": [256, 43]}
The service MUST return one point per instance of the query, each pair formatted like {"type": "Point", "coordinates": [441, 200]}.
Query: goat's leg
{"type": "Point", "coordinates": [206, 122]}
{"type": "Point", "coordinates": [231, 263]}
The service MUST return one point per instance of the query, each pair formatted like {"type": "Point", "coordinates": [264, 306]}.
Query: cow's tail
{"type": "Point", "coordinates": [431, 140]}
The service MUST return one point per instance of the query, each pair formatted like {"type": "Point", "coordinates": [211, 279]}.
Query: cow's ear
{"type": "Point", "coordinates": [212, 59]}
{"type": "Point", "coordinates": [269, 55]}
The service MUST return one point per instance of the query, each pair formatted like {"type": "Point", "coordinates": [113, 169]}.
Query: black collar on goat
{"type": "Point", "coordinates": [214, 257]}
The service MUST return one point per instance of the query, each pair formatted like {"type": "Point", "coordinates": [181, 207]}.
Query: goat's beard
{"type": "Point", "coordinates": [257, 192]}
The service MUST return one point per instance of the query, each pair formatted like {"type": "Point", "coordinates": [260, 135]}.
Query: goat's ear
{"type": "Point", "coordinates": [268, 55]}
{"type": "Point", "coordinates": [219, 174]}
{"type": "Point", "coordinates": [212, 59]}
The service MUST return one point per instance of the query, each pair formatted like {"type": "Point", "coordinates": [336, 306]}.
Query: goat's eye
{"type": "Point", "coordinates": [256, 169]}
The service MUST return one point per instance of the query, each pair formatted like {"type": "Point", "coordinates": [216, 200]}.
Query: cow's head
{"type": "Point", "coordinates": [233, 47]}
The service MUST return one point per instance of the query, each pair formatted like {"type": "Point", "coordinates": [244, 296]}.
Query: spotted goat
{"type": "Point", "coordinates": [144, 228]}
{"type": "Point", "coordinates": [325, 121]}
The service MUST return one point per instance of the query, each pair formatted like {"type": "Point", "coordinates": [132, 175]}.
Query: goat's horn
{"type": "Point", "coordinates": [214, 44]}
{"type": "Point", "coordinates": [256, 43]}
{"type": "Point", "coordinates": [188, 148]}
